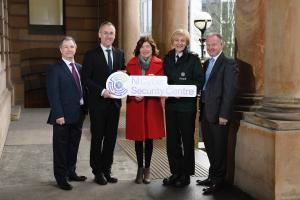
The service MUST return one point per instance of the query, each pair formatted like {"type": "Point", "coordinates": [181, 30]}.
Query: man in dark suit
{"type": "Point", "coordinates": [217, 100]}
{"type": "Point", "coordinates": [104, 110]}
{"type": "Point", "coordinates": [65, 94]}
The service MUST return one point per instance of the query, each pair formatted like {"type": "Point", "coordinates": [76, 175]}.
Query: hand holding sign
{"type": "Point", "coordinates": [121, 85]}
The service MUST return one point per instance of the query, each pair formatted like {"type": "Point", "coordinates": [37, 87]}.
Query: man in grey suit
{"type": "Point", "coordinates": [217, 100]}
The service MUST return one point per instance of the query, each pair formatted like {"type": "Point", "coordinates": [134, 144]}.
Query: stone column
{"type": "Point", "coordinates": [175, 15]}
{"type": "Point", "coordinates": [157, 21]}
{"type": "Point", "coordinates": [268, 140]}
{"type": "Point", "coordinates": [250, 51]}
{"type": "Point", "coordinates": [130, 26]}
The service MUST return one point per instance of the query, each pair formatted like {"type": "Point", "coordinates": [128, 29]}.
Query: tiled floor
{"type": "Point", "coordinates": [26, 169]}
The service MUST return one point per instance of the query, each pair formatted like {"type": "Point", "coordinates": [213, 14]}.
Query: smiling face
{"type": "Point", "coordinates": [179, 43]}
{"type": "Point", "coordinates": [68, 50]}
{"type": "Point", "coordinates": [146, 50]}
{"type": "Point", "coordinates": [214, 45]}
{"type": "Point", "coordinates": [107, 35]}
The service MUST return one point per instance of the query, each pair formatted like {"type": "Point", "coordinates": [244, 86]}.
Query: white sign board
{"type": "Point", "coordinates": [121, 85]}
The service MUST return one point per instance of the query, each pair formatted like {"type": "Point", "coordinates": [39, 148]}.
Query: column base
{"type": "Point", "coordinates": [267, 158]}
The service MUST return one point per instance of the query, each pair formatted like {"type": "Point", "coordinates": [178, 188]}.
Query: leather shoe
{"type": "Point", "coordinates": [77, 178]}
{"type": "Point", "coordinates": [212, 189]}
{"type": "Point", "coordinates": [64, 185]}
{"type": "Point", "coordinates": [183, 181]}
{"type": "Point", "coordinates": [100, 179]}
{"type": "Point", "coordinates": [170, 180]}
{"type": "Point", "coordinates": [205, 182]}
{"type": "Point", "coordinates": [110, 178]}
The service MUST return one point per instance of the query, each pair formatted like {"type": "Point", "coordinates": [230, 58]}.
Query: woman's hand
{"type": "Point", "coordinates": [139, 98]}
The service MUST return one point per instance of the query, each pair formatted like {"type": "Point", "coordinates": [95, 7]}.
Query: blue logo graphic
{"type": "Point", "coordinates": [116, 84]}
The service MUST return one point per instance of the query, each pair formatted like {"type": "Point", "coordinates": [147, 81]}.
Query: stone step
{"type": "Point", "coordinates": [15, 113]}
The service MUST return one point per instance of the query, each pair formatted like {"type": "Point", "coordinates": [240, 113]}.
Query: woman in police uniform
{"type": "Point", "coordinates": [182, 68]}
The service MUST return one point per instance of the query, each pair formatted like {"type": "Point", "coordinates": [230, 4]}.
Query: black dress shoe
{"type": "Point", "coordinates": [64, 185]}
{"type": "Point", "coordinates": [212, 189]}
{"type": "Point", "coordinates": [183, 181]}
{"type": "Point", "coordinates": [110, 178]}
{"type": "Point", "coordinates": [100, 179]}
{"type": "Point", "coordinates": [77, 178]}
{"type": "Point", "coordinates": [205, 182]}
{"type": "Point", "coordinates": [170, 180]}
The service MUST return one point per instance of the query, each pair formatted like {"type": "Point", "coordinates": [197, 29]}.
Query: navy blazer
{"type": "Point", "coordinates": [95, 72]}
{"type": "Point", "coordinates": [221, 88]}
{"type": "Point", "coordinates": [63, 94]}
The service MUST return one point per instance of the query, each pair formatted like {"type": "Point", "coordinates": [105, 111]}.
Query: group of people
{"type": "Point", "coordinates": [75, 90]}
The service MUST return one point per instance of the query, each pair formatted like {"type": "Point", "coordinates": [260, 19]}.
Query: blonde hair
{"type": "Point", "coordinates": [181, 32]}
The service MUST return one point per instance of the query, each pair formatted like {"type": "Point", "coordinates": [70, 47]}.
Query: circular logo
{"type": "Point", "coordinates": [182, 74]}
{"type": "Point", "coordinates": [117, 84]}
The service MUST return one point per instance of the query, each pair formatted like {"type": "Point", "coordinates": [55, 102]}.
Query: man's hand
{"type": "Point", "coordinates": [107, 94]}
{"type": "Point", "coordinates": [222, 121]}
{"type": "Point", "coordinates": [60, 121]}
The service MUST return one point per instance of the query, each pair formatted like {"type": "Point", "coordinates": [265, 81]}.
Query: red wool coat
{"type": "Point", "coordinates": [144, 119]}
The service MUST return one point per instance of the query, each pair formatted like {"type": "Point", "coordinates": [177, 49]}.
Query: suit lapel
{"type": "Point", "coordinates": [216, 65]}
{"type": "Point", "coordinates": [67, 71]}
{"type": "Point", "coordinates": [102, 57]}
{"type": "Point", "coordinates": [66, 68]}
{"type": "Point", "coordinates": [115, 57]}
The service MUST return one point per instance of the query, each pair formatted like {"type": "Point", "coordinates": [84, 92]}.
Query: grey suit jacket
{"type": "Point", "coordinates": [221, 89]}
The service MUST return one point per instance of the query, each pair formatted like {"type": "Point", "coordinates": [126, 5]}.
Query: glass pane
{"type": "Point", "coordinates": [46, 12]}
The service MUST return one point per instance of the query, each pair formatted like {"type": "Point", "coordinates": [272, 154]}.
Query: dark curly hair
{"type": "Point", "coordinates": [140, 43]}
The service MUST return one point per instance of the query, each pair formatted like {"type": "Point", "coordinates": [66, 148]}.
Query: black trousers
{"type": "Point", "coordinates": [66, 139]}
{"type": "Point", "coordinates": [215, 139]}
{"type": "Point", "coordinates": [180, 142]}
{"type": "Point", "coordinates": [104, 127]}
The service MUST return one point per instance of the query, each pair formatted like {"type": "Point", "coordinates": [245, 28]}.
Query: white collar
{"type": "Point", "coordinates": [105, 48]}
{"type": "Point", "coordinates": [68, 62]}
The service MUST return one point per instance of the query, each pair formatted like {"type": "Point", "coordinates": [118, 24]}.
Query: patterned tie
{"type": "Point", "coordinates": [76, 78]}
{"type": "Point", "coordinates": [208, 71]}
{"type": "Point", "coordinates": [109, 61]}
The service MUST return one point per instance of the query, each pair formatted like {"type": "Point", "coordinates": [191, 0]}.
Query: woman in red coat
{"type": "Point", "coordinates": [144, 115]}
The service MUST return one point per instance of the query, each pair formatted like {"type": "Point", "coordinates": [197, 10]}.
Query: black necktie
{"type": "Point", "coordinates": [109, 61]}
{"type": "Point", "coordinates": [177, 58]}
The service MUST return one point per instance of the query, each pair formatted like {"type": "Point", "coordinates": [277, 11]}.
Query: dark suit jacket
{"type": "Point", "coordinates": [95, 72]}
{"type": "Point", "coordinates": [221, 89]}
{"type": "Point", "coordinates": [63, 94]}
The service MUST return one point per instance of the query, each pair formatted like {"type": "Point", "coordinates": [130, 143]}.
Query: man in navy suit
{"type": "Point", "coordinates": [217, 100]}
{"type": "Point", "coordinates": [65, 94]}
{"type": "Point", "coordinates": [104, 110]}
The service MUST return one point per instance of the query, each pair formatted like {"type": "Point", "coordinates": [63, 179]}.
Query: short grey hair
{"type": "Point", "coordinates": [218, 35]}
{"type": "Point", "coordinates": [106, 23]}
{"type": "Point", "coordinates": [67, 38]}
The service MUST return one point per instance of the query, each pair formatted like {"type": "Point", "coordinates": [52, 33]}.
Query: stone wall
{"type": "Point", "coordinates": [82, 19]}
{"type": "Point", "coordinates": [5, 94]}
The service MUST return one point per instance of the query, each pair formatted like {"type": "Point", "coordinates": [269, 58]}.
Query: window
{"type": "Point", "coordinates": [222, 13]}
{"type": "Point", "coordinates": [146, 17]}
{"type": "Point", "coordinates": [46, 17]}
